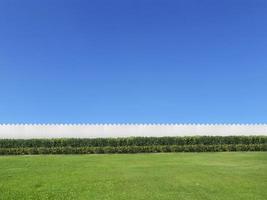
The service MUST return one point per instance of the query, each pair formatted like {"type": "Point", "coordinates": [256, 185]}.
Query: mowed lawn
{"type": "Point", "coordinates": [180, 176]}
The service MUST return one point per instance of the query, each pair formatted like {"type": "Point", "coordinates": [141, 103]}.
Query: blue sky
{"type": "Point", "coordinates": [135, 61]}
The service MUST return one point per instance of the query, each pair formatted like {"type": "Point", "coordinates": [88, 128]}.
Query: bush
{"type": "Point", "coordinates": [132, 149]}
{"type": "Point", "coordinates": [132, 141]}
{"type": "Point", "coordinates": [133, 145]}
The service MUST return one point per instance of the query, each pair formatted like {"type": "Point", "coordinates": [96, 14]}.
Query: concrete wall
{"type": "Point", "coordinates": [25, 131]}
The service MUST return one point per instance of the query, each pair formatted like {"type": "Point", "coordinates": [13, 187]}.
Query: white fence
{"type": "Point", "coordinates": [25, 131]}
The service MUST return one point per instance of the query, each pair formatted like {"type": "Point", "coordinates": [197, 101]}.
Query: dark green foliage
{"type": "Point", "coordinates": [133, 145]}
{"type": "Point", "coordinates": [132, 149]}
{"type": "Point", "coordinates": [132, 141]}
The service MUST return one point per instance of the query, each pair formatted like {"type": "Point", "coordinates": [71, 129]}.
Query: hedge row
{"type": "Point", "coordinates": [133, 149]}
{"type": "Point", "coordinates": [132, 141]}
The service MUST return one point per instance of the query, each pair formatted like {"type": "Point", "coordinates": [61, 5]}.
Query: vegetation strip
{"type": "Point", "coordinates": [132, 149]}
{"type": "Point", "coordinates": [133, 145]}
{"type": "Point", "coordinates": [132, 141]}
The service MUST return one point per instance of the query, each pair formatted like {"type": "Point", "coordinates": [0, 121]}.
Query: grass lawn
{"type": "Point", "coordinates": [135, 176]}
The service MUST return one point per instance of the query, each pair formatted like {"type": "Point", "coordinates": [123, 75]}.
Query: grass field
{"type": "Point", "coordinates": [135, 176]}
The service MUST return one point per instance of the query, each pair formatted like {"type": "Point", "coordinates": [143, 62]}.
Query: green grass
{"type": "Point", "coordinates": [135, 176]}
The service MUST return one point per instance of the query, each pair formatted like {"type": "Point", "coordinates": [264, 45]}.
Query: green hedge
{"type": "Point", "coordinates": [132, 141]}
{"type": "Point", "coordinates": [133, 145]}
{"type": "Point", "coordinates": [133, 149]}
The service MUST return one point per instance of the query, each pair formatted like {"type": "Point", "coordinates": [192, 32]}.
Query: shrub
{"type": "Point", "coordinates": [132, 141]}
{"type": "Point", "coordinates": [132, 149]}
{"type": "Point", "coordinates": [133, 145]}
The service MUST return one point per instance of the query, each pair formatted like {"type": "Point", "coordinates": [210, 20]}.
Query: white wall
{"type": "Point", "coordinates": [25, 131]}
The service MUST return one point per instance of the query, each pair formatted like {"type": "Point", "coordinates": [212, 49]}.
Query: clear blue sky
{"type": "Point", "coordinates": [133, 61]}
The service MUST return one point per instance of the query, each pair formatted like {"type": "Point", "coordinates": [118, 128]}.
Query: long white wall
{"type": "Point", "coordinates": [25, 131]}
